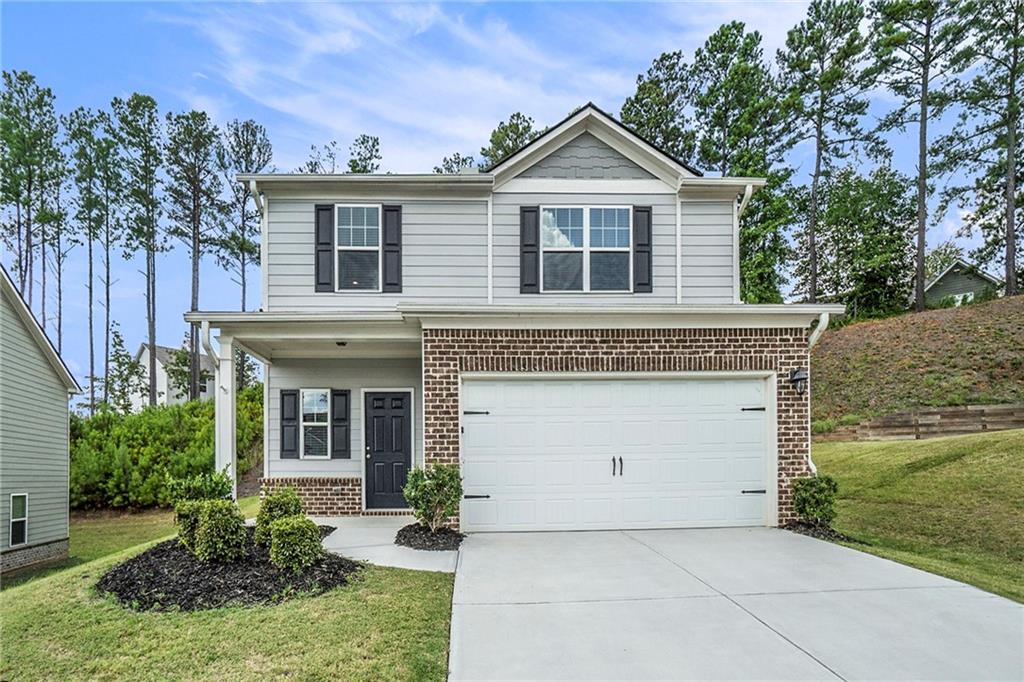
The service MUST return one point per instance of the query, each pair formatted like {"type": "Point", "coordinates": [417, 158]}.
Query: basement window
{"type": "Point", "coordinates": [19, 520]}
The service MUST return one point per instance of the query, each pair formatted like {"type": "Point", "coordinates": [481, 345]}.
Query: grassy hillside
{"type": "Point", "coordinates": [956, 356]}
{"type": "Point", "coordinates": [953, 506]}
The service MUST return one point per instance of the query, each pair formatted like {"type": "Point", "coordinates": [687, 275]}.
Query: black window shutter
{"type": "Point", "coordinates": [391, 278]}
{"type": "Point", "coordinates": [529, 249]}
{"type": "Point", "coordinates": [323, 242]}
{"type": "Point", "coordinates": [289, 424]}
{"type": "Point", "coordinates": [341, 440]}
{"type": "Point", "coordinates": [642, 283]}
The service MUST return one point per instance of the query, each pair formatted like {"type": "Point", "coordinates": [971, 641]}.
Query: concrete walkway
{"type": "Point", "coordinates": [372, 539]}
{"type": "Point", "coordinates": [752, 603]}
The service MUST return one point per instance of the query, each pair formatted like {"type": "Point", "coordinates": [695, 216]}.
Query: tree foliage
{"type": "Point", "coordinates": [508, 137]}
{"type": "Point", "coordinates": [658, 110]}
{"type": "Point", "coordinates": [454, 164]}
{"type": "Point", "coordinates": [364, 154]}
{"type": "Point", "coordinates": [941, 257]}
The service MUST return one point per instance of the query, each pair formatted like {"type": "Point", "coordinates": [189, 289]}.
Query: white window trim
{"type": "Point", "coordinates": [303, 423]}
{"type": "Point", "coordinates": [586, 249]}
{"type": "Point", "coordinates": [379, 249]}
{"type": "Point", "coordinates": [10, 526]}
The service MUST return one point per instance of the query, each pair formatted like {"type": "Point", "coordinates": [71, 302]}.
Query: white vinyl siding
{"type": "Point", "coordinates": [33, 433]}
{"type": "Point", "coordinates": [339, 374]}
{"type": "Point", "coordinates": [444, 255]}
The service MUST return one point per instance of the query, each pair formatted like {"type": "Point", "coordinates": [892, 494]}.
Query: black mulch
{"type": "Point", "coordinates": [819, 531]}
{"type": "Point", "coordinates": [421, 537]}
{"type": "Point", "coordinates": [168, 577]}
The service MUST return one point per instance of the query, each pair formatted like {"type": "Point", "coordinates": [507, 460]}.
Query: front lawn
{"type": "Point", "coordinates": [953, 506]}
{"type": "Point", "coordinates": [98, 534]}
{"type": "Point", "coordinates": [390, 624]}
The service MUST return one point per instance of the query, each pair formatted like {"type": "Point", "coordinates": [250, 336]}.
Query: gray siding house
{"type": "Point", "coordinates": [962, 282]}
{"type": "Point", "coordinates": [565, 327]}
{"type": "Point", "coordinates": [34, 389]}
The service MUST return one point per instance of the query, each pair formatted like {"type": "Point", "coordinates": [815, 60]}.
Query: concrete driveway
{"type": "Point", "coordinates": [749, 603]}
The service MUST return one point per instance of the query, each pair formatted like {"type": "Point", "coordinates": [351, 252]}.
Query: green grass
{"type": "Point", "coordinates": [97, 534]}
{"type": "Point", "coordinates": [968, 355]}
{"type": "Point", "coordinates": [390, 624]}
{"type": "Point", "coordinates": [953, 506]}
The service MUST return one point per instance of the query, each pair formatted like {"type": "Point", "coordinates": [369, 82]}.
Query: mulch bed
{"type": "Point", "coordinates": [168, 577]}
{"type": "Point", "coordinates": [420, 537]}
{"type": "Point", "coordinates": [821, 532]}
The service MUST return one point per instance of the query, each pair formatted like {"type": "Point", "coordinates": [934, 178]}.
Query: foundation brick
{"type": "Point", "coordinates": [321, 496]}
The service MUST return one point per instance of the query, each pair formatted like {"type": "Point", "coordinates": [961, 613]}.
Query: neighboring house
{"type": "Point", "coordinates": [565, 326]}
{"type": "Point", "coordinates": [962, 282]}
{"type": "Point", "coordinates": [34, 388]}
{"type": "Point", "coordinates": [165, 394]}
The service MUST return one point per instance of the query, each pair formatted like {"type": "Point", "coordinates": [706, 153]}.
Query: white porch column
{"type": "Point", "coordinates": [224, 411]}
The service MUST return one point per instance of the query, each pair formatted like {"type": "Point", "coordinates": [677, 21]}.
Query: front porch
{"type": "Point", "coordinates": [342, 418]}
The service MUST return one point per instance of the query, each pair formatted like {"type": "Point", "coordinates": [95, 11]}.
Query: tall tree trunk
{"type": "Point", "coordinates": [92, 354]}
{"type": "Point", "coordinates": [1013, 119]}
{"type": "Point", "coordinates": [812, 218]}
{"type": "Point", "coordinates": [42, 265]}
{"type": "Point", "coordinates": [240, 372]}
{"type": "Point", "coordinates": [193, 384]}
{"type": "Point", "coordinates": [151, 316]}
{"type": "Point", "coordinates": [26, 290]}
{"type": "Point", "coordinates": [922, 171]}
{"type": "Point", "coordinates": [21, 247]}
{"type": "Point", "coordinates": [106, 293]}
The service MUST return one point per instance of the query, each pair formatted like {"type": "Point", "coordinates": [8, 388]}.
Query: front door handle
{"type": "Point", "coordinates": [620, 466]}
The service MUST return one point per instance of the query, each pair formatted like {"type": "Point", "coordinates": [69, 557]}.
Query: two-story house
{"type": "Point", "coordinates": [565, 326]}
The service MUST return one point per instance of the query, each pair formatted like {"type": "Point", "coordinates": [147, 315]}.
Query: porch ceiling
{"type": "Point", "coordinates": [340, 346]}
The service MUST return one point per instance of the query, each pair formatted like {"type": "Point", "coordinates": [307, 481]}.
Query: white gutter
{"type": "Point", "coordinates": [256, 197]}
{"type": "Point", "coordinates": [747, 193]}
{"type": "Point", "coordinates": [204, 335]}
{"type": "Point", "coordinates": [818, 331]}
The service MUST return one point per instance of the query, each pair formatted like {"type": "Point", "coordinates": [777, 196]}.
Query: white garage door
{"type": "Point", "coordinates": [559, 454]}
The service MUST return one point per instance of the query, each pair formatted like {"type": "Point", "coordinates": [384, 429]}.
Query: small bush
{"type": "Point", "coordinates": [215, 486]}
{"type": "Point", "coordinates": [276, 506]}
{"type": "Point", "coordinates": [434, 494]}
{"type": "Point", "coordinates": [186, 515]}
{"type": "Point", "coordinates": [823, 426]}
{"type": "Point", "coordinates": [220, 534]}
{"type": "Point", "coordinates": [850, 420]}
{"type": "Point", "coordinates": [814, 499]}
{"type": "Point", "coordinates": [294, 543]}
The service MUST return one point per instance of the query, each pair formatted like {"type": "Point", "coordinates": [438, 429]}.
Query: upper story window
{"type": "Point", "coordinates": [586, 248]}
{"type": "Point", "coordinates": [357, 242]}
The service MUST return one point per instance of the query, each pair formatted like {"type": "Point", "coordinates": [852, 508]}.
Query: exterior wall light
{"type": "Point", "coordinates": [798, 377]}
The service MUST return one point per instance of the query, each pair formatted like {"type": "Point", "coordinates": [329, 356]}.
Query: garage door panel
{"type": "Point", "coordinates": [544, 453]}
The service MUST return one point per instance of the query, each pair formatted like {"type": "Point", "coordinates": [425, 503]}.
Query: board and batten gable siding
{"type": "Point", "coordinates": [444, 254]}
{"type": "Point", "coordinates": [33, 433]}
{"type": "Point", "coordinates": [956, 283]}
{"type": "Point", "coordinates": [586, 157]}
{"type": "Point", "coordinates": [352, 374]}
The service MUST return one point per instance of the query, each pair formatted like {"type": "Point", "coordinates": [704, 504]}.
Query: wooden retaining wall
{"type": "Point", "coordinates": [932, 422]}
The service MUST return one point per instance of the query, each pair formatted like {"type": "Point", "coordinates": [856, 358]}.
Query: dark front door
{"type": "Point", "coordinates": [388, 448]}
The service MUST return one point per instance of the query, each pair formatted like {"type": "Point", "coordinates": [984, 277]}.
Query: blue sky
{"type": "Point", "coordinates": [427, 79]}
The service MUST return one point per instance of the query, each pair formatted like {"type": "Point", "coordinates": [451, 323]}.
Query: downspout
{"type": "Point", "coordinates": [204, 336]}
{"type": "Point", "coordinates": [747, 193]}
{"type": "Point", "coordinates": [815, 335]}
{"type": "Point", "coordinates": [257, 199]}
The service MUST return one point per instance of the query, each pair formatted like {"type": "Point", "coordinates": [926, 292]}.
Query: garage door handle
{"type": "Point", "coordinates": [620, 466]}
{"type": "Point", "coordinates": [613, 466]}
{"type": "Point", "coordinates": [476, 497]}
{"type": "Point", "coordinates": [762, 491]}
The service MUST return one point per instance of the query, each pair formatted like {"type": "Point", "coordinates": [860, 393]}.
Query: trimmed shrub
{"type": "Point", "coordinates": [213, 486]}
{"type": "Point", "coordinates": [283, 503]}
{"type": "Point", "coordinates": [294, 543]}
{"type": "Point", "coordinates": [814, 499]}
{"type": "Point", "coordinates": [220, 533]}
{"type": "Point", "coordinates": [434, 494]}
{"type": "Point", "coordinates": [186, 515]}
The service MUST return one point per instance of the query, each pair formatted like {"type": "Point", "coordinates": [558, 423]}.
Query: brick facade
{"type": "Point", "coordinates": [322, 496]}
{"type": "Point", "coordinates": [449, 352]}
{"type": "Point", "coordinates": [20, 557]}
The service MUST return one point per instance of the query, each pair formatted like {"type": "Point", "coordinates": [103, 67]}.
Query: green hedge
{"type": "Point", "coordinates": [127, 460]}
{"type": "Point", "coordinates": [278, 505]}
{"type": "Point", "coordinates": [295, 543]}
{"type": "Point", "coordinates": [220, 532]}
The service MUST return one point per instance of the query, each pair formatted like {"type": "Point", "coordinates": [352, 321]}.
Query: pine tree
{"type": "Point", "coordinates": [82, 124]}
{"type": "Point", "coordinates": [454, 164]}
{"type": "Point", "coordinates": [321, 159]}
{"type": "Point", "coordinates": [194, 206]}
{"type": "Point", "coordinates": [914, 42]}
{"type": "Point", "coordinates": [111, 183]}
{"type": "Point", "coordinates": [127, 376]}
{"type": "Point", "coordinates": [658, 110]}
{"type": "Point", "coordinates": [508, 137]}
{"type": "Point", "coordinates": [140, 139]}
{"type": "Point", "coordinates": [824, 67]}
{"type": "Point", "coordinates": [987, 143]}
{"type": "Point", "coordinates": [364, 155]}
{"type": "Point", "coordinates": [941, 257]}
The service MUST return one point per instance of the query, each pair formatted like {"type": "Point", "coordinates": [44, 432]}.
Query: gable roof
{"type": "Point", "coordinates": [591, 118]}
{"type": "Point", "coordinates": [973, 269]}
{"type": "Point", "coordinates": [37, 333]}
{"type": "Point", "coordinates": [163, 356]}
